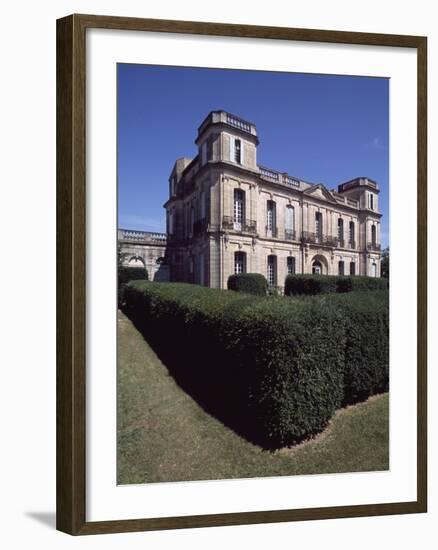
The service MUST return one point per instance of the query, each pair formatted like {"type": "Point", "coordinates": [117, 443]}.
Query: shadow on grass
{"type": "Point", "coordinates": [218, 387]}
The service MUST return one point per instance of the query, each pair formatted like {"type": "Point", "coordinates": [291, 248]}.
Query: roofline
{"type": "Point", "coordinates": [228, 113]}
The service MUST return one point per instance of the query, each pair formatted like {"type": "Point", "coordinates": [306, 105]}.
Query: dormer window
{"type": "Point", "coordinates": [373, 236]}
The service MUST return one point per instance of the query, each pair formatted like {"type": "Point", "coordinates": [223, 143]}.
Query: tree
{"type": "Point", "coordinates": [384, 266]}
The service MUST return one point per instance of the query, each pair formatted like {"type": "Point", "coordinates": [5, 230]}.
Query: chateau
{"type": "Point", "coordinates": [228, 214]}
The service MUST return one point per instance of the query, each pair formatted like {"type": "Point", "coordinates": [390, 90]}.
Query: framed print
{"type": "Point", "coordinates": [241, 274]}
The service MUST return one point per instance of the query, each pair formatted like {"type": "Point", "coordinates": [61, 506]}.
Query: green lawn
{"type": "Point", "coordinates": [164, 435]}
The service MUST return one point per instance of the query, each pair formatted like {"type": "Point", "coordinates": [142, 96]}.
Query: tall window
{"type": "Point", "coordinates": [201, 269]}
{"type": "Point", "coordinates": [187, 220]}
{"type": "Point", "coordinates": [290, 219]}
{"type": "Point", "coordinates": [341, 231]}
{"type": "Point", "coordinates": [239, 209]}
{"type": "Point", "coordinates": [270, 217]}
{"type": "Point", "coordinates": [351, 234]}
{"type": "Point", "coordinates": [373, 236]}
{"type": "Point", "coordinates": [371, 201]}
{"type": "Point", "coordinates": [237, 151]}
{"type": "Point", "coordinates": [352, 268]}
{"type": "Point", "coordinates": [374, 269]}
{"type": "Point", "coordinates": [239, 262]}
{"type": "Point", "coordinates": [291, 265]}
{"type": "Point", "coordinates": [318, 226]}
{"type": "Point", "coordinates": [341, 268]}
{"type": "Point", "coordinates": [192, 219]}
{"type": "Point", "coordinates": [202, 199]}
{"type": "Point", "coordinates": [210, 147]}
{"type": "Point", "coordinates": [272, 270]}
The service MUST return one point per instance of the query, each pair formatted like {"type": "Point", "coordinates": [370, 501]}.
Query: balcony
{"type": "Point", "coordinates": [316, 238]}
{"type": "Point", "coordinates": [271, 232]}
{"type": "Point", "coordinates": [352, 245]}
{"type": "Point", "coordinates": [290, 235]}
{"type": "Point", "coordinates": [374, 247]}
{"type": "Point", "coordinates": [241, 226]}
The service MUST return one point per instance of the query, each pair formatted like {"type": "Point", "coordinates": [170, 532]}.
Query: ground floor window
{"type": "Point", "coordinates": [374, 269]}
{"type": "Point", "coordinates": [341, 268]}
{"type": "Point", "coordinates": [239, 262]}
{"type": "Point", "coordinates": [201, 269]}
{"type": "Point", "coordinates": [272, 270]}
{"type": "Point", "coordinates": [317, 268]}
{"type": "Point", "coordinates": [352, 268]}
{"type": "Point", "coordinates": [291, 265]}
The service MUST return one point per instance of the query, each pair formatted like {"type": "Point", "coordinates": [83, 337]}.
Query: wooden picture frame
{"type": "Point", "coordinates": [71, 273]}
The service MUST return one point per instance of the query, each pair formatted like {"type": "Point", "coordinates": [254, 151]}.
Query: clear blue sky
{"type": "Point", "coordinates": [323, 129]}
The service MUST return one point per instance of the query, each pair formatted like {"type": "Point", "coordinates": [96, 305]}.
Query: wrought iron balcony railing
{"type": "Point", "coordinates": [341, 243]}
{"type": "Point", "coordinates": [374, 246]}
{"type": "Point", "coordinates": [271, 231]}
{"type": "Point", "coordinates": [352, 245]}
{"type": "Point", "coordinates": [243, 226]}
{"type": "Point", "coordinates": [317, 238]}
{"type": "Point", "coordinates": [290, 235]}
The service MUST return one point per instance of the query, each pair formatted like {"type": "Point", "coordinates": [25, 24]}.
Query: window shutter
{"type": "Point", "coordinates": [242, 152]}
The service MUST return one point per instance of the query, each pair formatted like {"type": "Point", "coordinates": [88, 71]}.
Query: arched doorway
{"type": "Point", "coordinates": [316, 267]}
{"type": "Point", "coordinates": [319, 265]}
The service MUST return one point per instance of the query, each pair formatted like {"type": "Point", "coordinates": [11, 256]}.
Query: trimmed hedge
{"type": "Point", "coordinates": [310, 284]}
{"type": "Point", "coordinates": [126, 274]}
{"type": "Point", "coordinates": [324, 284]}
{"type": "Point", "coordinates": [272, 369]}
{"type": "Point", "coordinates": [366, 317]}
{"type": "Point", "coordinates": [251, 283]}
{"type": "Point", "coordinates": [369, 283]}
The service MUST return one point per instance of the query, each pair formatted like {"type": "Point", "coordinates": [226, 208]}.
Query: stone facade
{"type": "Point", "coordinates": [144, 249]}
{"type": "Point", "coordinates": [228, 214]}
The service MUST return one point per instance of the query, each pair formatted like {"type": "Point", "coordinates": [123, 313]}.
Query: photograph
{"type": "Point", "coordinates": [253, 255]}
